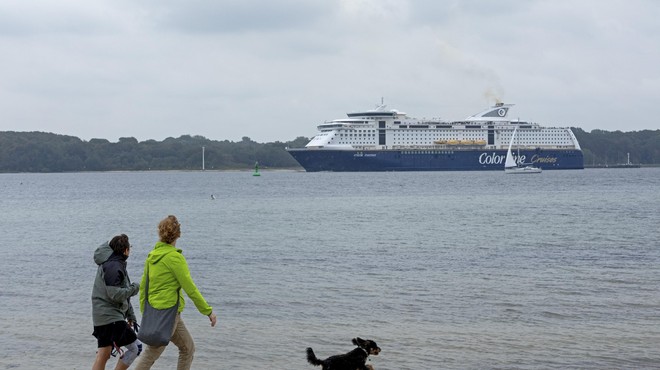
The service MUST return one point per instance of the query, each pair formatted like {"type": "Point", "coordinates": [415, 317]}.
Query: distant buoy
{"type": "Point", "coordinates": [256, 169]}
{"type": "Point", "coordinates": [212, 197]}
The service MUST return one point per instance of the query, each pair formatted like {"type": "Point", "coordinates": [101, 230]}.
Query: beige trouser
{"type": "Point", "coordinates": [181, 338]}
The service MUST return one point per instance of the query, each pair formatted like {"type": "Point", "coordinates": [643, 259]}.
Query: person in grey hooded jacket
{"type": "Point", "coordinates": [112, 312]}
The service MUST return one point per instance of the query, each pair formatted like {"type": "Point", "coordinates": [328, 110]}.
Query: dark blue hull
{"type": "Point", "coordinates": [314, 160]}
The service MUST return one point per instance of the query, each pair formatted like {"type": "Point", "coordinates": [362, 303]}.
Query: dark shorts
{"type": "Point", "coordinates": [118, 333]}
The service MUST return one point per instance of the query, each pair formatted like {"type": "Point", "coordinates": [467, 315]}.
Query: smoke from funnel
{"type": "Point", "coordinates": [491, 94]}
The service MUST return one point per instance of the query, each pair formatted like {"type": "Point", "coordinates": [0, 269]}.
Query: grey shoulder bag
{"type": "Point", "coordinates": [157, 325]}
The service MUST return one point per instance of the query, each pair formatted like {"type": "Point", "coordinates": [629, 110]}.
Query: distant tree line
{"type": "Point", "coordinates": [48, 152]}
{"type": "Point", "coordinates": [611, 147]}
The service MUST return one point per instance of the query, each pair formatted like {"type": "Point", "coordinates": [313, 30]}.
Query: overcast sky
{"type": "Point", "coordinates": [272, 70]}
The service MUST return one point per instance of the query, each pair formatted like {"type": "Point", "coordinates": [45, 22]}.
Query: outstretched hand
{"type": "Point", "coordinates": [213, 318]}
{"type": "Point", "coordinates": [136, 288]}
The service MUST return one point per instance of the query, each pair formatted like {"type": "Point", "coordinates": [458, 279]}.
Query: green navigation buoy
{"type": "Point", "coordinates": [256, 169]}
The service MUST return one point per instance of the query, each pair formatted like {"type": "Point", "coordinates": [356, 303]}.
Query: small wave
{"type": "Point", "coordinates": [554, 315]}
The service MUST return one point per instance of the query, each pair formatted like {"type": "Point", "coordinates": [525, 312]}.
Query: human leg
{"type": "Point", "coordinates": [148, 356]}
{"type": "Point", "coordinates": [102, 356]}
{"type": "Point", "coordinates": [121, 365]}
{"type": "Point", "coordinates": [128, 357]}
{"type": "Point", "coordinates": [103, 335]}
{"type": "Point", "coordinates": [182, 339]}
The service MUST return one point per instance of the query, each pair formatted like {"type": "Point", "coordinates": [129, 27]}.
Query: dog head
{"type": "Point", "coordinates": [368, 345]}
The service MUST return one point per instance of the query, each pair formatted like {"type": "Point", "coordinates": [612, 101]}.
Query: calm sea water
{"type": "Point", "coordinates": [445, 270]}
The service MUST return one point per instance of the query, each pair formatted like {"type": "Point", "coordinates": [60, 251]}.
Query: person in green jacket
{"type": "Point", "coordinates": [168, 275]}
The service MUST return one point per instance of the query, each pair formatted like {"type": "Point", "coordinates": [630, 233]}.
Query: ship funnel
{"type": "Point", "coordinates": [497, 112]}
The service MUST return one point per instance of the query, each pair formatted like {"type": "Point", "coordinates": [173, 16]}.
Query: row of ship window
{"type": "Point", "coordinates": [405, 136]}
{"type": "Point", "coordinates": [402, 142]}
{"type": "Point", "coordinates": [480, 136]}
{"type": "Point", "coordinates": [450, 130]}
{"type": "Point", "coordinates": [428, 152]}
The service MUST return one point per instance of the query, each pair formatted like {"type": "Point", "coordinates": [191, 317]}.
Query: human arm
{"type": "Point", "coordinates": [114, 277]}
{"type": "Point", "coordinates": [182, 274]}
{"type": "Point", "coordinates": [143, 284]}
{"type": "Point", "coordinates": [130, 313]}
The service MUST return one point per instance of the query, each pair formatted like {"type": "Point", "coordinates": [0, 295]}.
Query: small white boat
{"type": "Point", "coordinates": [523, 169]}
{"type": "Point", "coordinates": [512, 166]}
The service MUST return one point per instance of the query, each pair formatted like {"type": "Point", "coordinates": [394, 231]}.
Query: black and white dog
{"type": "Point", "coordinates": [353, 360]}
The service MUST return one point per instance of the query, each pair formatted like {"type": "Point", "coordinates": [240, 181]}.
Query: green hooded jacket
{"type": "Point", "coordinates": [111, 302]}
{"type": "Point", "coordinates": [168, 272]}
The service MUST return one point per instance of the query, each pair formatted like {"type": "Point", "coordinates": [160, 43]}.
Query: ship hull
{"type": "Point", "coordinates": [315, 160]}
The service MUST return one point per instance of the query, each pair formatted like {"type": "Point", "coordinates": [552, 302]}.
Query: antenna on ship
{"type": "Point", "coordinates": [381, 107]}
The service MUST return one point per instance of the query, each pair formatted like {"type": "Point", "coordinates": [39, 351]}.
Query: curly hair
{"type": "Point", "coordinates": [169, 229]}
{"type": "Point", "coordinates": [119, 243]}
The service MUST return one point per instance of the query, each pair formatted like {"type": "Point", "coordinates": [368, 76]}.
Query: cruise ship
{"type": "Point", "coordinates": [389, 140]}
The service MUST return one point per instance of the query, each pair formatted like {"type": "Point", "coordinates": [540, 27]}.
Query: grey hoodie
{"type": "Point", "coordinates": [112, 288]}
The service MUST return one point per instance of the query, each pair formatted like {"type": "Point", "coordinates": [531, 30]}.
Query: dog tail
{"type": "Point", "coordinates": [311, 358]}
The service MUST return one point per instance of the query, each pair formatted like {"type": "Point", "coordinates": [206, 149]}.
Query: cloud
{"type": "Point", "coordinates": [274, 70]}
{"type": "Point", "coordinates": [44, 18]}
{"type": "Point", "coordinates": [234, 16]}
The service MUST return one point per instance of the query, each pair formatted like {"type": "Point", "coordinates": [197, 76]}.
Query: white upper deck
{"type": "Point", "coordinates": [381, 128]}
